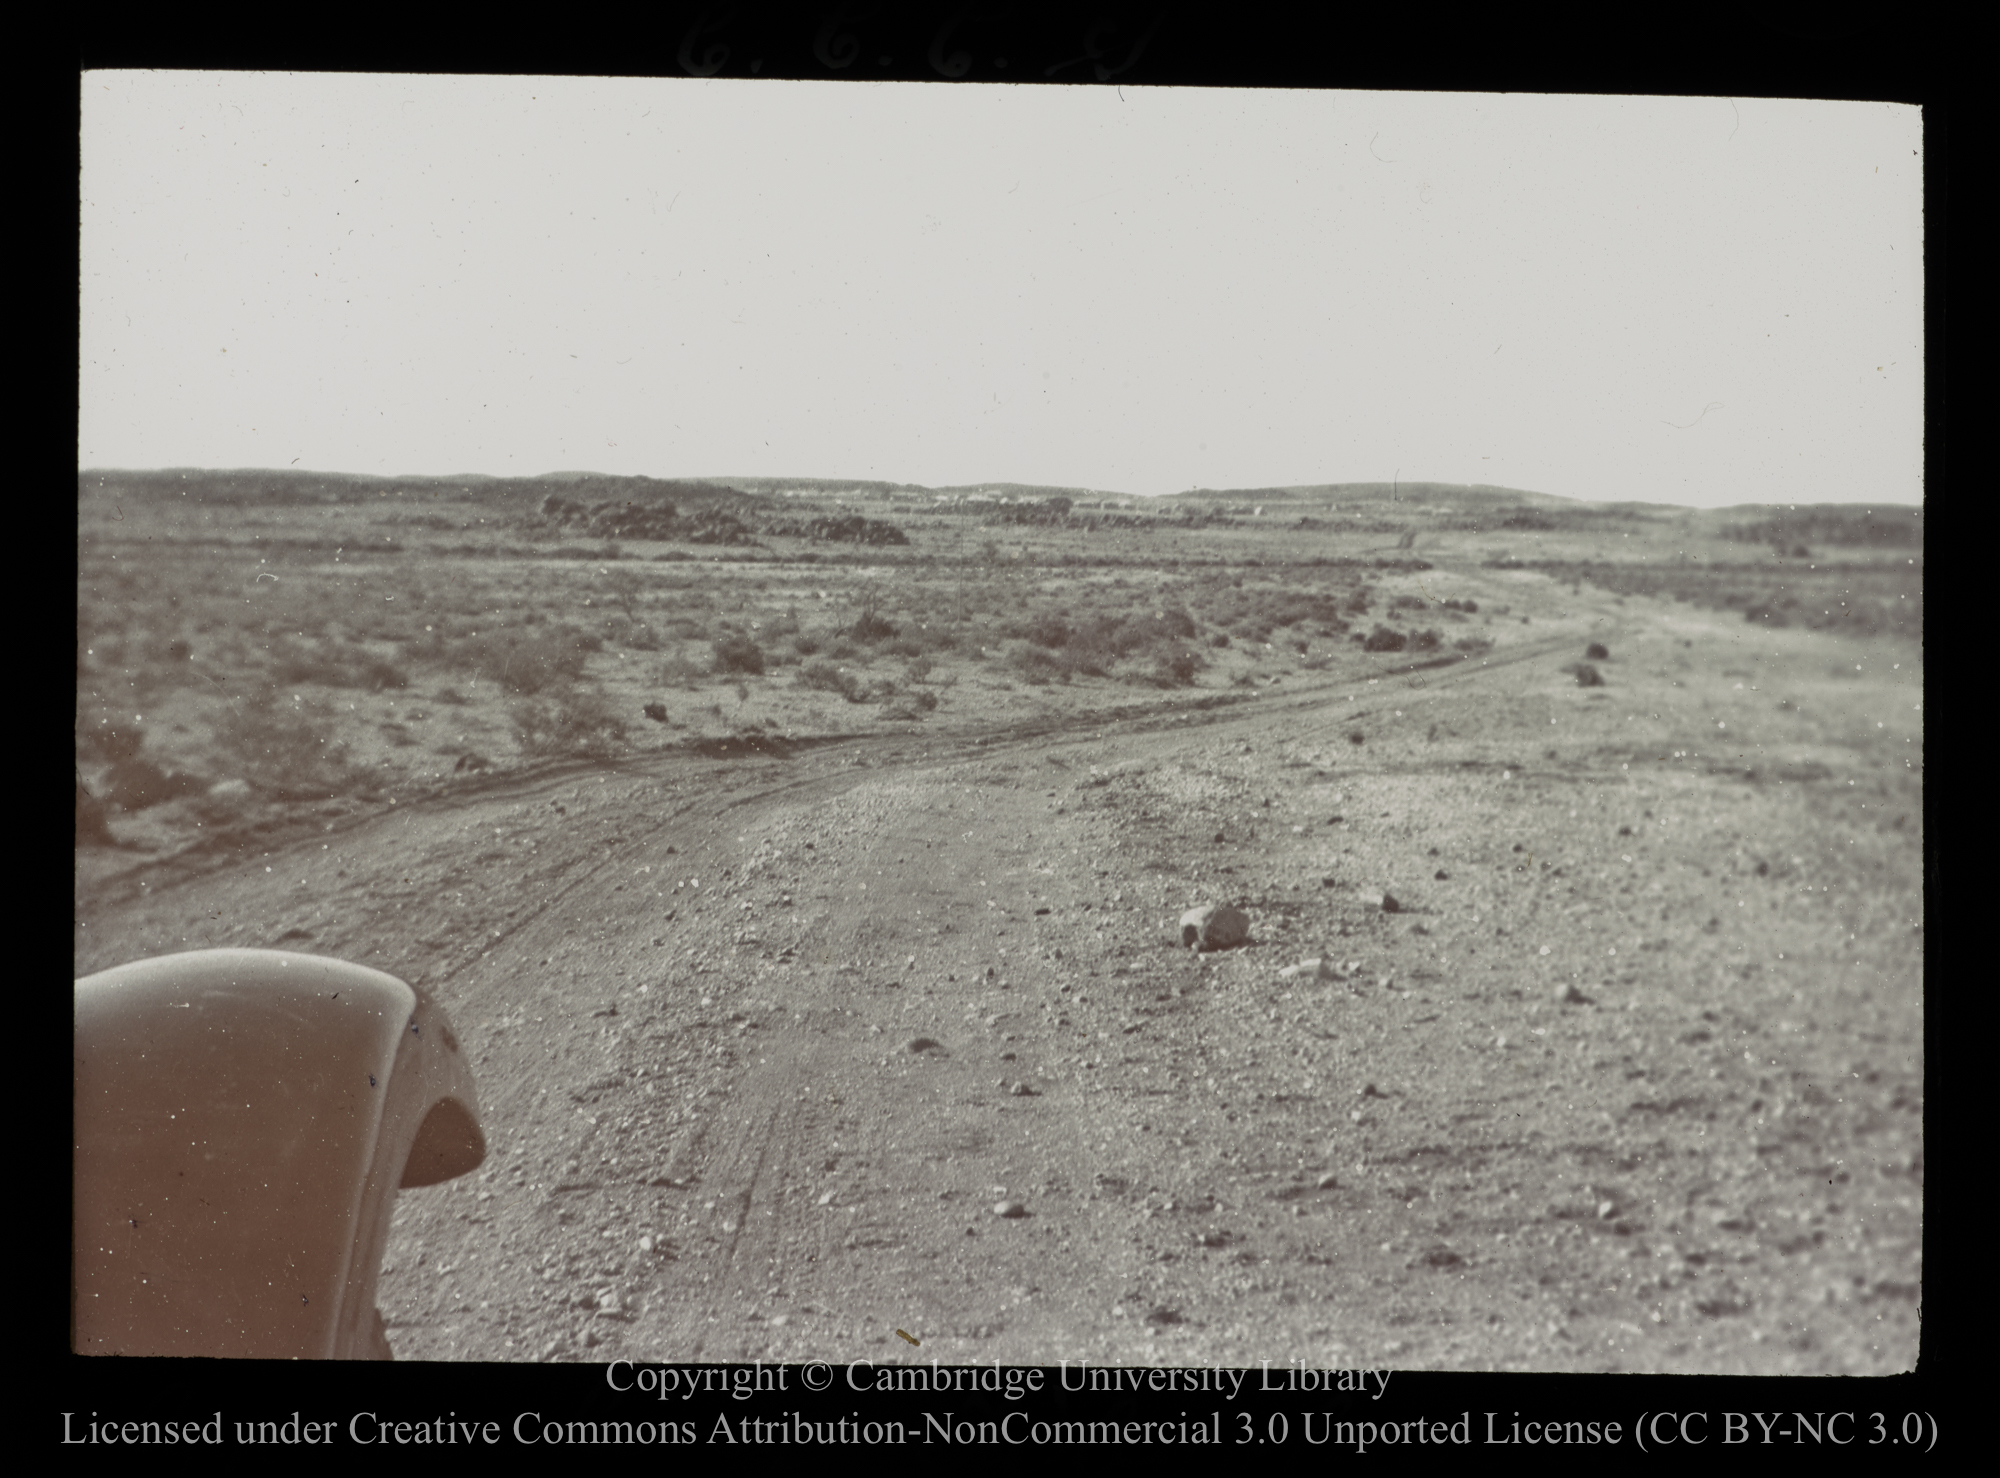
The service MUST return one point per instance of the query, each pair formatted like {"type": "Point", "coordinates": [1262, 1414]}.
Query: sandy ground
{"type": "Point", "coordinates": [1632, 1079]}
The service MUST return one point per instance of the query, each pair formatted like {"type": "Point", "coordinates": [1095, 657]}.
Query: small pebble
{"type": "Point", "coordinates": [1011, 1209]}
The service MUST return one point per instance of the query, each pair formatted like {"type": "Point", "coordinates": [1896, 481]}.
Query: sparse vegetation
{"type": "Point", "coordinates": [569, 723]}
{"type": "Point", "coordinates": [738, 654]}
{"type": "Point", "coordinates": [318, 637]}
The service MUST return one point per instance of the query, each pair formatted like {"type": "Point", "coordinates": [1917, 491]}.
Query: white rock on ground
{"type": "Point", "coordinates": [1217, 926]}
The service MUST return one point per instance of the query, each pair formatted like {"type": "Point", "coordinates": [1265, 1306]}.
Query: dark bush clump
{"type": "Point", "coordinates": [871, 627]}
{"type": "Point", "coordinates": [1049, 631]}
{"type": "Point", "coordinates": [1382, 639]}
{"type": "Point", "coordinates": [93, 827]}
{"type": "Point", "coordinates": [286, 750]}
{"type": "Point", "coordinates": [1178, 669]}
{"type": "Point", "coordinates": [1596, 652]}
{"type": "Point", "coordinates": [573, 723]}
{"type": "Point", "coordinates": [1424, 641]}
{"type": "Point", "coordinates": [1038, 667]}
{"type": "Point", "coordinates": [738, 654]}
{"type": "Point", "coordinates": [134, 784]}
{"type": "Point", "coordinates": [830, 679]}
{"type": "Point", "coordinates": [1587, 676]}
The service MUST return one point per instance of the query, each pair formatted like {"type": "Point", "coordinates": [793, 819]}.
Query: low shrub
{"type": "Point", "coordinates": [871, 627]}
{"type": "Point", "coordinates": [681, 671]}
{"type": "Point", "coordinates": [572, 723]}
{"type": "Point", "coordinates": [135, 784]}
{"type": "Point", "coordinates": [1383, 639]}
{"type": "Point", "coordinates": [526, 662]}
{"type": "Point", "coordinates": [1424, 641]}
{"type": "Point", "coordinates": [333, 667]}
{"type": "Point", "coordinates": [286, 748]}
{"type": "Point", "coordinates": [1048, 631]}
{"type": "Point", "coordinates": [738, 654]}
{"type": "Point", "coordinates": [827, 678]}
{"type": "Point", "coordinates": [1587, 676]}
{"type": "Point", "coordinates": [1597, 652]}
{"type": "Point", "coordinates": [1038, 666]}
{"type": "Point", "coordinates": [1177, 669]}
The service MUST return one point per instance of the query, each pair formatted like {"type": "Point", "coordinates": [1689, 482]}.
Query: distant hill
{"type": "Point", "coordinates": [1455, 495]}
{"type": "Point", "coordinates": [755, 502]}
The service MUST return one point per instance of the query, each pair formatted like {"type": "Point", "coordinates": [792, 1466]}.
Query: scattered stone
{"type": "Point", "coordinates": [468, 762]}
{"type": "Point", "coordinates": [657, 712]}
{"type": "Point", "coordinates": [923, 1044]}
{"type": "Point", "coordinates": [1606, 1210]}
{"type": "Point", "coordinates": [1587, 676]}
{"type": "Point", "coordinates": [1328, 1181]}
{"type": "Point", "coordinates": [1013, 1210]}
{"type": "Point", "coordinates": [1388, 902]}
{"type": "Point", "coordinates": [1371, 1091]}
{"type": "Point", "coordinates": [1569, 995]}
{"type": "Point", "coordinates": [645, 1244]}
{"type": "Point", "coordinates": [1303, 967]}
{"type": "Point", "coordinates": [1442, 875]}
{"type": "Point", "coordinates": [1021, 1090]}
{"type": "Point", "coordinates": [1596, 652]}
{"type": "Point", "coordinates": [1217, 926]}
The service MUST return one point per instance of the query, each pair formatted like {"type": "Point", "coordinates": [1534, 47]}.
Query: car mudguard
{"type": "Point", "coordinates": [243, 1119]}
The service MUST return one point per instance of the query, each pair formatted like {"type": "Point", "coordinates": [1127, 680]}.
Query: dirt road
{"type": "Point", "coordinates": [1630, 1079]}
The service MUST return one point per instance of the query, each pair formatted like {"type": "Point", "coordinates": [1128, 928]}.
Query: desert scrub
{"type": "Point", "coordinates": [827, 678]}
{"type": "Point", "coordinates": [871, 627]}
{"type": "Point", "coordinates": [519, 661]}
{"type": "Point", "coordinates": [1038, 667]}
{"type": "Point", "coordinates": [1384, 639]}
{"type": "Point", "coordinates": [1424, 641]}
{"type": "Point", "coordinates": [333, 666]}
{"type": "Point", "coordinates": [285, 747]}
{"type": "Point", "coordinates": [738, 654]}
{"type": "Point", "coordinates": [570, 723]}
{"type": "Point", "coordinates": [1177, 669]}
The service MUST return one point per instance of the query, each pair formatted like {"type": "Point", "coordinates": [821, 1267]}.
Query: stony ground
{"type": "Point", "coordinates": [1630, 1078]}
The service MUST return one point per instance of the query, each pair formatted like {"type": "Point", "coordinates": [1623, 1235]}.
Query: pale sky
{"type": "Point", "coordinates": [1677, 300]}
